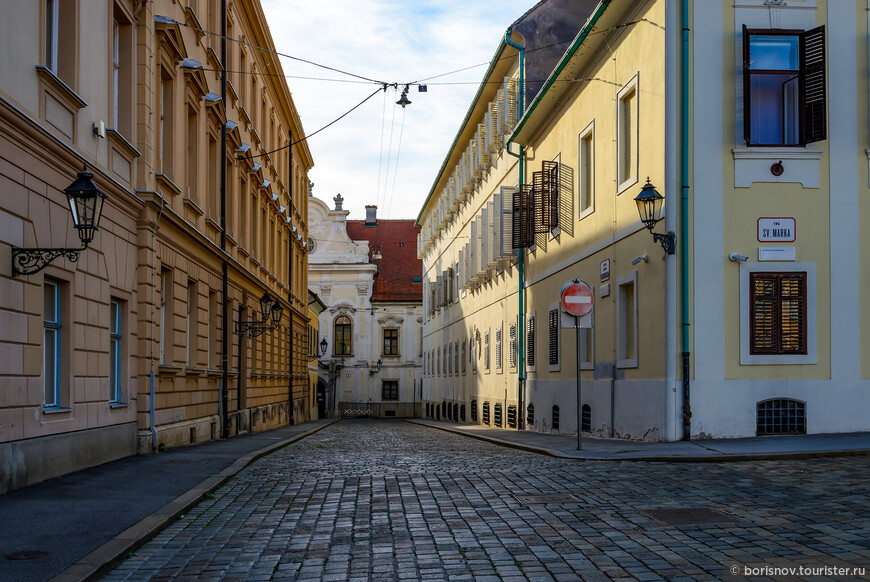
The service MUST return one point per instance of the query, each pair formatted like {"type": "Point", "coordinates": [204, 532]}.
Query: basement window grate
{"type": "Point", "coordinates": [486, 413]}
{"type": "Point", "coordinates": [462, 413]}
{"type": "Point", "coordinates": [780, 416]}
{"type": "Point", "coordinates": [530, 415]}
{"type": "Point", "coordinates": [512, 416]}
{"type": "Point", "coordinates": [497, 415]}
{"type": "Point", "coordinates": [586, 424]}
{"type": "Point", "coordinates": [474, 411]}
{"type": "Point", "coordinates": [555, 418]}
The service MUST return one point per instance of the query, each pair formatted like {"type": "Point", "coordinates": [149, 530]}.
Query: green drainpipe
{"type": "Point", "coordinates": [684, 215]}
{"type": "Point", "coordinates": [521, 324]}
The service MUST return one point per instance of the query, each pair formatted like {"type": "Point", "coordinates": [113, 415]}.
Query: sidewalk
{"type": "Point", "coordinates": [713, 450]}
{"type": "Point", "coordinates": [75, 524]}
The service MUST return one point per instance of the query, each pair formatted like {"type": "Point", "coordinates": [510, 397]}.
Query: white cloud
{"type": "Point", "coordinates": [393, 42]}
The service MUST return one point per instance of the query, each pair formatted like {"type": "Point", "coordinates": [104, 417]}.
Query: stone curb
{"type": "Point", "coordinates": [713, 458]}
{"type": "Point", "coordinates": [99, 561]}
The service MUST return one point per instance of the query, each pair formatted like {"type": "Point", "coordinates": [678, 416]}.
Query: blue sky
{"type": "Point", "coordinates": [393, 42]}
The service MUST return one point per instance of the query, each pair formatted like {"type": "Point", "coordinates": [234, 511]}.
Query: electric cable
{"type": "Point", "coordinates": [336, 120]}
{"type": "Point", "coordinates": [381, 153]}
{"type": "Point", "coordinates": [389, 155]}
{"type": "Point", "coordinates": [396, 170]}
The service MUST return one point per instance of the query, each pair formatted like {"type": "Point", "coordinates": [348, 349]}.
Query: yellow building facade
{"type": "Point", "coordinates": [742, 317]}
{"type": "Point", "coordinates": [123, 349]}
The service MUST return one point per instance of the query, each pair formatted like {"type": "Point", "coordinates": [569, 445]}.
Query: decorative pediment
{"type": "Point", "coordinates": [391, 321]}
{"type": "Point", "coordinates": [196, 81]}
{"type": "Point", "coordinates": [169, 37]}
{"type": "Point", "coordinates": [192, 20]}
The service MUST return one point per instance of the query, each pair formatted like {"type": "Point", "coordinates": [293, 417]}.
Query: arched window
{"type": "Point", "coordinates": [343, 345]}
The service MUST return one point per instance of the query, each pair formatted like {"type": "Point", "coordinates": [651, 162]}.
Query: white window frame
{"type": "Point", "coordinates": [748, 359]}
{"type": "Point", "coordinates": [630, 177]}
{"type": "Point", "coordinates": [586, 160]}
{"type": "Point", "coordinates": [622, 359]}
{"type": "Point", "coordinates": [499, 349]}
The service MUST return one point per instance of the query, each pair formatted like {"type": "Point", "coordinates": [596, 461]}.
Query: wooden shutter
{"type": "Point", "coordinates": [551, 184]}
{"type": "Point", "coordinates": [530, 342]}
{"type": "Point", "coordinates": [522, 221]}
{"type": "Point", "coordinates": [553, 329]}
{"type": "Point", "coordinates": [747, 102]}
{"type": "Point", "coordinates": [812, 87]}
{"type": "Point", "coordinates": [778, 318]}
{"type": "Point", "coordinates": [566, 199]}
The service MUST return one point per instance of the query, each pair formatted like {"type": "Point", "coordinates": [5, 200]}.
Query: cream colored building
{"type": "Point", "coordinates": [365, 272]}
{"type": "Point", "coordinates": [753, 325]}
{"type": "Point", "coordinates": [123, 350]}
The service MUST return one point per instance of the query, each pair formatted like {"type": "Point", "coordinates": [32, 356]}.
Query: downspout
{"type": "Point", "coordinates": [290, 282]}
{"type": "Point", "coordinates": [225, 340]}
{"type": "Point", "coordinates": [684, 215]}
{"type": "Point", "coordinates": [521, 324]}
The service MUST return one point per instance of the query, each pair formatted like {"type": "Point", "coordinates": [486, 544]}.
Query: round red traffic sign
{"type": "Point", "coordinates": [577, 298]}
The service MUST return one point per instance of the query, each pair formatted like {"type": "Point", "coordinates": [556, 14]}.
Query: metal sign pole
{"type": "Point", "coordinates": [579, 408]}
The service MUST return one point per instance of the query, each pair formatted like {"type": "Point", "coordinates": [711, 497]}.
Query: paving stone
{"type": "Point", "coordinates": [371, 500]}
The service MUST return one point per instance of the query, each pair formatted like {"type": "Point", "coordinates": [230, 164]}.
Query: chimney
{"type": "Point", "coordinates": [371, 215]}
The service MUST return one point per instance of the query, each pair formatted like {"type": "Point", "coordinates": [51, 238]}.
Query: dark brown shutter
{"type": "Point", "coordinates": [553, 348]}
{"type": "Point", "coordinates": [778, 318]}
{"type": "Point", "coordinates": [522, 224]}
{"type": "Point", "coordinates": [530, 343]}
{"type": "Point", "coordinates": [541, 197]}
{"type": "Point", "coordinates": [550, 172]}
{"type": "Point", "coordinates": [812, 87]}
{"type": "Point", "coordinates": [747, 80]}
{"type": "Point", "coordinates": [793, 313]}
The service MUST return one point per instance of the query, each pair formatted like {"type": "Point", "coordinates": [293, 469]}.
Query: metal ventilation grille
{"type": "Point", "coordinates": [586, 424]}
{"type": "Point", "coordinates": [498, 415]}
{"type": "Point", "coordinates": [474, 410]}
{"type": "Point", "coordinates": [555, 418]}
{"type": "Point", "coordinates": [781, 416]}
{"type": "Point", "coordinates": [486, 413]}
{"type": "Point", "coordinates": [530, 414]}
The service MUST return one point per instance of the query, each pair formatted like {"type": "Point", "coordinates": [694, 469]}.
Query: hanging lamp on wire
{"type": "Point", "coordinates": [404, 99]}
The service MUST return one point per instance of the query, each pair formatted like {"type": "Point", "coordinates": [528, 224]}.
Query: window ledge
{"type": "Point", "coordinates": [55, 410]}
{"type": "Point", "coordinates": [629, 182]}
{"type": "Point", "coordinates": [121, 143]}
{"type": "Point", "coordinates": [167, 183]}
{"type": "Point", "coordinates": [800, 165]}
{"type": "Point", "coordinates": [114, 405]}
{"type": "Point", "coordinates": [70, 97]}
{"type": "Point", "coordinates": [190, 203]}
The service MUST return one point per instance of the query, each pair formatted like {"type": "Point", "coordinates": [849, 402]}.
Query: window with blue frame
{"type": "Point", "coordinates": [115, 339]}
{"type": "Point", "coordinates": [51, 339]}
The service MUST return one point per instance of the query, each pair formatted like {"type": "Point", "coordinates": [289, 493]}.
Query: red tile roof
{"type": "Point", "coordinates": [397, 241]}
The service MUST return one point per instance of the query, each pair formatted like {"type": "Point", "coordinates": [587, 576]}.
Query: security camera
{"type": "Point", "coordinates": [643, 258]}
{"type": "Point", "coordinates": [737, 258]}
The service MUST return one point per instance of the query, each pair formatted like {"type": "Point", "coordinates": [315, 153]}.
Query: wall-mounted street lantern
{"type": "Point", "coordinates": [271, 311]}
{"type": "Point", "coordinates": [378, 367]}
{"type": "Point", "coordinates": [86, 205]}
{"type": "Point", "coordinates": [649, 206]}
{"type": "Point", "coordinates": [323, 345]}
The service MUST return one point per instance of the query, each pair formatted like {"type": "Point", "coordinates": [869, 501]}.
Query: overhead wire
{"type": "Point", "coordinates": [381, 152]}
{"type": "Point", "coordinates": [300, 140]}
{"type": "Point", "coordinates": [389, 155]}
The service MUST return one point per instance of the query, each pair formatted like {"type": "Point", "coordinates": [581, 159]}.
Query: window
{"type": "Point", "coordinates": [486, 351]}
{"type": "Point", "coordinates": [192, 158]}
{"type": "Point", "coordinates": [781, 416]}
{"type": "Point", "coordinates": [166, 122]}
{"type": "Point", "coordinates": [214, 331]}
{"type": "Point", "coordinates": [448, 358]}
{"type": "Point", "coordinates": [456, 358]}
{"type": "Point", "coordinates": [122, 73]}
{"type": "Point", "coordinates": [530, 342]}
{"type": "Point", "coordinates": [778, 313]}
{"type": "Point", "coordinates": [61, 25]}
{"type": "Point", "coordinates": [586, 166]}
{"type": "Point", "coordinates": [166, 311]}
{"type": "Point", "coordinates": [553, 337]}
{"type": "Point", "coordinates": [626, 135]}
{"type": "Point", "coordinates": [192, 324]}
{"type": "Point", "coordinates": [462, 358]}
{"type": "Point", "coordinates": [498, 350]}
{"type": "Point", "coordinates": [512, 348]}
{"type": "Point", "coordinates": [390, 390]}
{"type": "Point", "coordinates": [391, 342]}
{"type": "Point", "coordinates": [626, 321]}
{"type": "Point", "coordinates": [343, 345]}
{"type": "Point", "coordinates": [783, 87]}
{"type": "Point", "coordinates": [51, 338]}
{"type": "Point", "coordinates": [115, 350]}
{"type": "Point", "coordinates": [586, 347]}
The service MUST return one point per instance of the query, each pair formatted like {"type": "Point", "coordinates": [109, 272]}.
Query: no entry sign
{"type": "Point", "coordinates": [577, 298]}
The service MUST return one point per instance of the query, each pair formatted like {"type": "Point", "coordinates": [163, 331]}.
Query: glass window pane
{"type": "Point", "coordinates": [774, 113]}
{"type": "Point", "coordinates": [50, 366]}
{"type": "Point", "coordinates": [773, 52]}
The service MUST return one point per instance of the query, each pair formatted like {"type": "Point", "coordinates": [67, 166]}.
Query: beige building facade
{"type": "Point", "coordinates": [124, 350]}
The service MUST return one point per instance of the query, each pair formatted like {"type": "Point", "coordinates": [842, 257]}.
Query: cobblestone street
{"type": "Point", "coordinates": [391, 500]}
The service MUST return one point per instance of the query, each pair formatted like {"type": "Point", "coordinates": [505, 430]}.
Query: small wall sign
{"type": "Point", "coordinates": [605, 270]}
{"type": "Point", "coordinates": [776, 229]}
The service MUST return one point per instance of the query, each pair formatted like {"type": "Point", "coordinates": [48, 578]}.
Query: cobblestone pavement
{"type": "Point", "coordinates": [370, 500]}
